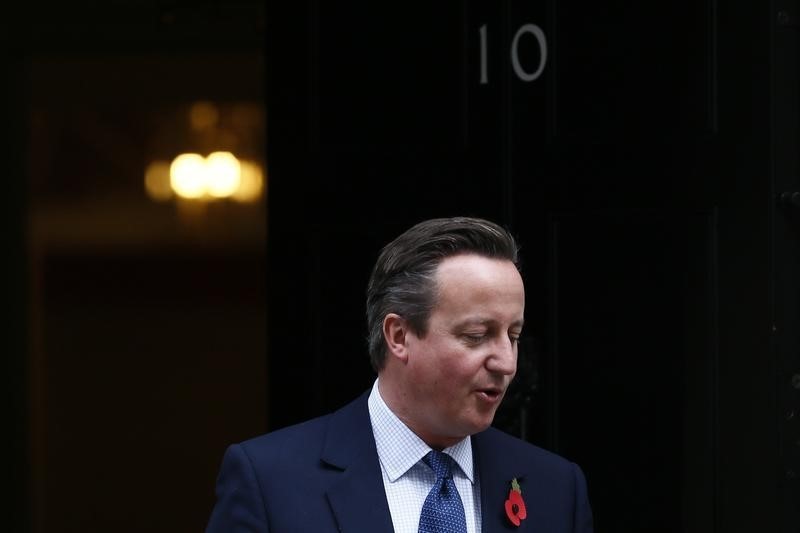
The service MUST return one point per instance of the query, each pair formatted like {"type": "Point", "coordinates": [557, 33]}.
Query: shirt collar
{"type": "Point", "coordinates": [399, 448]}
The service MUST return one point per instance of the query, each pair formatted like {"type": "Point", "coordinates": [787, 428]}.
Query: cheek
{"type": "Point", "coordinates": [442, 366]}
{"type": "Point", "coordinates": [435, 368]}
{"type": "Point", "coordinates": [460, 367]}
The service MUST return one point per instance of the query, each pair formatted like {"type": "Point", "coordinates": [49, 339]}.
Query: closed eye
{"type": "Point", "coordinates": [473, 338]}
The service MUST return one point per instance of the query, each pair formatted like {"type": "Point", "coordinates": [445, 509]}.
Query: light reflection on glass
{"type": "Point", "coordinates": [194, 177]}
{"type": "Point", "coordinates": [222, 174]}
{"type": "Point", "coordinates": [188, 176]}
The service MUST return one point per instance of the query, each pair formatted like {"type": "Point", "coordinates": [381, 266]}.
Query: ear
{"type": "Point", "coordinates": [395, 331]}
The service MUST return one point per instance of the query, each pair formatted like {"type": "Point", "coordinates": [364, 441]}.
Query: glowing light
{"type": "Point", "coordinates": [156, 181]}
{"type": "Point", "coordinates": [187, 175]}
{"type": "Point", "coordinates": [203, 115]}
{"type": "Point", "coordinates": [192, 176]}
{"type": "Point", "coordinates": [251, 183]}
{"type": "Point", "coordinates": [223, 174]}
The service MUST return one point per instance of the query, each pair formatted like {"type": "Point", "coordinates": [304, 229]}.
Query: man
{"type": "Point", "coordinates": [445, 307]}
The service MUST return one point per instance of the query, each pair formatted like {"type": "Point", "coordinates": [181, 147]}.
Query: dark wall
{"type": "Point", "coordinates": [14, 349]}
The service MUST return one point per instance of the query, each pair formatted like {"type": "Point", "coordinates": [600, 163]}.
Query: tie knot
{"type": "Point", "coordinates": [441, 463]}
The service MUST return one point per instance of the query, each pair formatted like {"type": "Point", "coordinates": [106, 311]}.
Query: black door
{"type": "Point", "coordinates": [638, 153]}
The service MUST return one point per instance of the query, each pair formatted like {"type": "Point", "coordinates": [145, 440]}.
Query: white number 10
{"type": "Point", "coordinates": [521, 73]}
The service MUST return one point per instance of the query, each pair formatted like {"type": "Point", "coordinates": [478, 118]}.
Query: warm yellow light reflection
{"type": "Point", "coordinates": [203, 115]}
{"type": "Point", "coordinates": [188, 175]}
{"type": "Point", "coordinates": [192, 176]}
{"type": "Point", "coordinates": [156, 181]}
{"type": "Point", "coordinates": [251, 183]}
{"type": "Point", "coordinates": [223, 174]}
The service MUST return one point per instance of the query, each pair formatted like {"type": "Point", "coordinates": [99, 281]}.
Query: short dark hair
{"type": "Point", "coordinates": [403, 280]}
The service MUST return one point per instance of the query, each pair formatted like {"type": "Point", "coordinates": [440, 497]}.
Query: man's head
{"type": "Point", "coordinates": [403, 279]}
{"type": "Point", "coordinates": [445, 308]}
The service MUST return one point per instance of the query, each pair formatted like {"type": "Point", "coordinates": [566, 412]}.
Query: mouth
{"type": "Point", "coordinates": [490, 394]}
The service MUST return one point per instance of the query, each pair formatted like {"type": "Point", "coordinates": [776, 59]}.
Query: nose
{"type": "Point", "coordinates": [503, 358]}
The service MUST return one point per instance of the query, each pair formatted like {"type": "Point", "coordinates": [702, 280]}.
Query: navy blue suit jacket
{"type": "Point", "coordinates": [324, 476]}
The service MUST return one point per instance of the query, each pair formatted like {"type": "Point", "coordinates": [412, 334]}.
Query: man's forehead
{"type": "Point", "coordinates": [471, 261]}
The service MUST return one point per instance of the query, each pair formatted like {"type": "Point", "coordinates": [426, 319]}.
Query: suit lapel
{"type": "Point", "coordinates": [357, 498]}
{"type": "Point", "coordinates": [496, 470]}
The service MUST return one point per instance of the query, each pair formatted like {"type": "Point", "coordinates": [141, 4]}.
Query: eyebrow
{"type": "Point", "coordinates": [487, 321]}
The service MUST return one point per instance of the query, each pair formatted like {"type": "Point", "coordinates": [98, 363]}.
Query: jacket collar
{"type": "Point", "coordinates": [358, 498]}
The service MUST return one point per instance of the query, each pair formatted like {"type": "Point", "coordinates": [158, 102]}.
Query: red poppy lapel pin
{"type": "Point", "coordinates": [515, 505]}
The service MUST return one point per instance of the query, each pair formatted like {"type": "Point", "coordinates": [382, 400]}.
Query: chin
{"type": "Point", "coordinates": [480, 425]}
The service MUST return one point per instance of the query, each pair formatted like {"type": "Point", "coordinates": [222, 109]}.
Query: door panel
{"type": "Point", "coordinates": [633, 341]}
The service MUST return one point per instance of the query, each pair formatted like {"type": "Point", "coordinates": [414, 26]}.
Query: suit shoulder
{"type": "Point", "coordinates": [290, 441]}
{"type": "Point", "coordinates": [494, 439]}
{"type": "Point", "coordinates": [303, 443]}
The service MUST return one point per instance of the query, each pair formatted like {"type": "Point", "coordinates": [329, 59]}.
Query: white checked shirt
{"type": "Point", "coordinates": [406, 479]}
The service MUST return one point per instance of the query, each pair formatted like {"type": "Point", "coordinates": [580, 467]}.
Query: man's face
{"type": "Point", "coordinates": [458, 372]}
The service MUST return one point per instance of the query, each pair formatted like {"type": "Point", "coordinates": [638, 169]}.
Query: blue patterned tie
{"type": "Point", "coordinates": [443, 511]}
